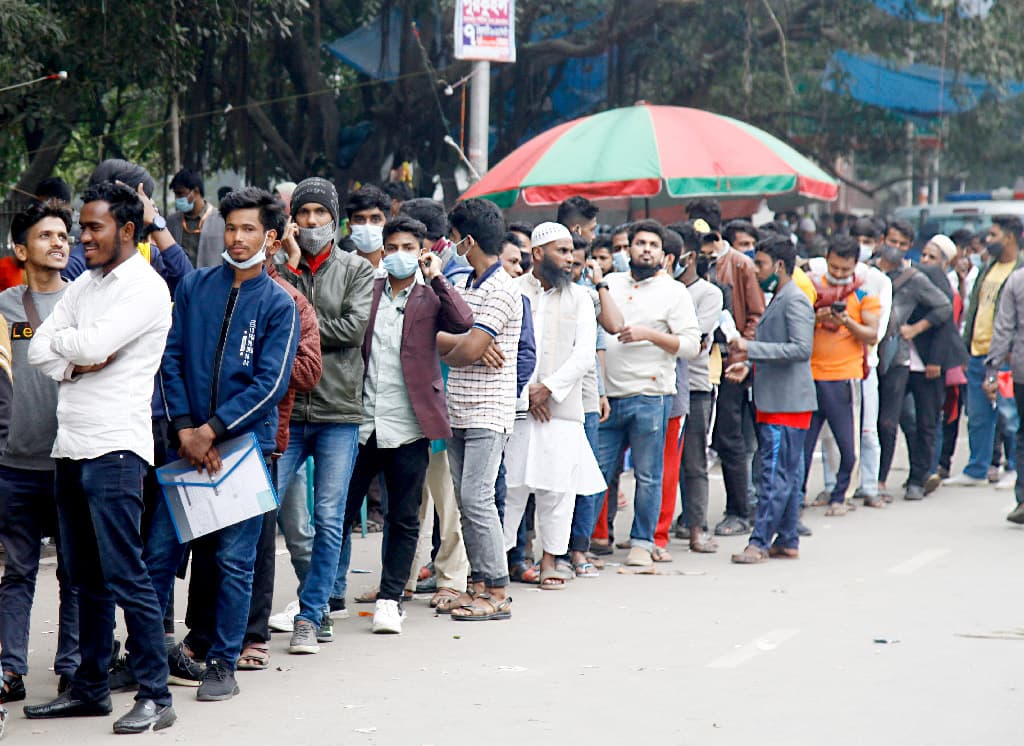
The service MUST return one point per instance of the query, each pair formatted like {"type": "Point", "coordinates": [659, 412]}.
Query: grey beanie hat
{"type": "Point", "coordinates": [320, 191]}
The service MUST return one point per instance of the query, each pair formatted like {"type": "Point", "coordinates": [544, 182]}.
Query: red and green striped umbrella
{"type": "Point", "coordinates": [644, 151]}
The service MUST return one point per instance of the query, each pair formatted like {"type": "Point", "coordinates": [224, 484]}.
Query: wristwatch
{"type": "Point", "coordinates": [158, 224]}
{"type": "Point", "coordinates": [601, 286]}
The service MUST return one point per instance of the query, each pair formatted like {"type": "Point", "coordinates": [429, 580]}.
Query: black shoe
{"type": "Point", "coordinates": [66, 706]}
{"type": "Point", "coordinates": [218, 683]}
{"type": "Point", "coordinates": [63, 683]}
{"type": "Point", "coordinates": [121, 678]}
{"type": "Point", "coordinates": [12, 688]}
{"type": "Point", "coordinates": [145, 715]}
{"type": "Point", "coordinates": [803, 530]}
{"type": "Point", "coordinates": [601, 550]}
{"type": "Point", "coordinates": [336, 604]}
{"type": "Point", "coordinates": [182, 670]}
{"type": "Point", "coordinates": [427, 586]}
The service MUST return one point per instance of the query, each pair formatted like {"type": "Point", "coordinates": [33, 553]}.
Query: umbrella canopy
{"type": "Point", "coordinates": [642, 150]}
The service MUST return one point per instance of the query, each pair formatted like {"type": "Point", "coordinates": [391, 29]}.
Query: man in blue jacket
{"type": "Point", "coordinates": [226, 366]}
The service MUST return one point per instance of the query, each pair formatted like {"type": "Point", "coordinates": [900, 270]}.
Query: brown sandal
{"type": "Point", "coordinates": [837, 509]}
{"type": "Point", "coordinates": [445, 605]}
{"type": "Point", "coordinates": [255, 657]}
{"type": "Point", "coordinates": [874, 501]}
{"type": "Point", "coordinates": [475, 612]}
{"type": "Point", "coordinates": [750, 556]}
{"type": "Point", "coordinates": [442, 594]}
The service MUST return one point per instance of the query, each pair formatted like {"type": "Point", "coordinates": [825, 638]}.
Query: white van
{"type": "Point", "coordinates": [948, 217]}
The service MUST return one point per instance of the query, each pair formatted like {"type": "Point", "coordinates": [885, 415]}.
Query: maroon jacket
{"type": "Point", "coordinates": [308, 365]}
{"type": "Point", "coordinates": [429, 310]}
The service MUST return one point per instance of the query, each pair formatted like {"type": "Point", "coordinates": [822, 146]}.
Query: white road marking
{"type": "Point", "coordinates": [764, 644]}
{"type": "Point", "coordinates": [918, 561]}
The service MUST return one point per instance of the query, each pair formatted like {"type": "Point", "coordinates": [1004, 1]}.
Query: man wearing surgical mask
{"type": "Point", "coordinates": [403, 400]}
{"type": "Point", "coordinates": [227, 364]}
{"type": "Point", "coordinates": [367, 210]}
{"type": "Point", "coordinates": [325, 422]}
{"type": "Point", "coordinates": [1002, 246]}
{"type": "Point", "coordinates": [196, 226]}
{"type": "Point", "coordinates": [864, 230]}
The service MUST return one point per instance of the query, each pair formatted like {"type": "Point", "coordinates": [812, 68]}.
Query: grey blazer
{"type": "Point", "coordinates": [781, 354]}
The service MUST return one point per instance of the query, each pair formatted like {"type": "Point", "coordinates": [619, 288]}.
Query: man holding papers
{"type": "Point", "coordinates": [227, 365]}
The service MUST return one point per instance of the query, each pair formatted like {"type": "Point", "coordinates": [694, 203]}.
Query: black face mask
{"type": "Point", "coordinates": [704, 265]}
{"type": "Point", "coordinates": [994, 249]}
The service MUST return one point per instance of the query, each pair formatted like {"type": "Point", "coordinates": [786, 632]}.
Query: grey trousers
{"type": "Point", "coordinates": [694, 475]}
{"type": "Point", "coordinates": [474, 455]}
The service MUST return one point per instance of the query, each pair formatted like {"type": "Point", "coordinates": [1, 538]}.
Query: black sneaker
{"type": "Point", "coordinates": [181, 669]}
{"type": "Point", "coordinates": [121, 678]}
{"type": "Point", "coordinates": [326, 631]}
{"type": "Point", "coordinates": [218, 683]}
{"type": "Point", "coordinates": [12, 689]}
{"type": "Point", "coordinates": [337, 607]}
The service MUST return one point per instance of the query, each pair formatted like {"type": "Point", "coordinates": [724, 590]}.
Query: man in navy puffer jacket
{"type": "Point", "coordinates": [226, 366]}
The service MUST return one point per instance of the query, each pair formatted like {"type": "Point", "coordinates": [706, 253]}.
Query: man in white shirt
{"type": "Point", "coordinates": [103, 344]}
{"type": "Point", "coordinates": [566, 332]}
{"type": "Point", "coordinates": [640, 374]}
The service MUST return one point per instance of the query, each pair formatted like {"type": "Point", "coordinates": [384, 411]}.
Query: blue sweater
{"type": "Point", "coordinates": [229, 354]}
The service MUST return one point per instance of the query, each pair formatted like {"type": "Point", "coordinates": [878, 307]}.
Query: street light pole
{"type": "Point", "coordinates": [480, 115]}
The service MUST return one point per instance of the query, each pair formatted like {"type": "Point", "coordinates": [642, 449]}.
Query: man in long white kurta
{"type": "Point", "coordinates": [548, 454]}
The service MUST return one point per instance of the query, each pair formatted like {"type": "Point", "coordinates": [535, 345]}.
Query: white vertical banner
{"type": "Point", "coordinates": [485, 30]}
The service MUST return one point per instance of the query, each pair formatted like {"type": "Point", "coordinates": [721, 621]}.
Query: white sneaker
{"type": "Point", "coordinates": [284, 621]}
{"type": "Point", "coordinates": [387, 618]}
{"type": "Point", "coordinates": [965, 480]}
{"type": "Point", "coordinates": [1007, 482]}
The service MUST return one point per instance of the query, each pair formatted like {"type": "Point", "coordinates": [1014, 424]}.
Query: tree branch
{"type": "Point", "coordinates": [274, 141]}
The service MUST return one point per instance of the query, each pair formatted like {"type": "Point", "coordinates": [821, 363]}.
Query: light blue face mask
{"type": "Point", "coordinates": [401, 264]}
{"type": "Point", "coordinates": [183, 204]}
{"type": "Point", "coordinates": [975, 259]}
{"type": "Point", "coordinates": [620, 260]}
{"type": "Point", "coordinates": [258, 258]}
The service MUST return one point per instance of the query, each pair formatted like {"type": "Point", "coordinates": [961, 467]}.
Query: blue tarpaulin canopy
{"type": "Point", "coordinates": [910, 89]}
{"type": "Point", "coordinates": [363, 50]}
{"type": "Point", "coordinates": [911, 10]}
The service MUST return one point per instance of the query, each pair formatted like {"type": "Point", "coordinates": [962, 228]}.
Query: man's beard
{"type": "Point", "coordinates": [116, 256]}
{"type": "Point", "coordinates": [553, 275]}
{"type": "Point", "coordinates": [643, 272]}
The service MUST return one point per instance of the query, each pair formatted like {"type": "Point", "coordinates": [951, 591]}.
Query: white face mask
{"type": "Point", "coordinates": [866, 251]}
{"type": "Point", "coordinates": [258, 258]}
{"type": "Point", "coordinates": [367, 238]}
{"type": "Point", "coordinates": [837, 281]}
{"type": "Point", "coordinates": [458, 257]}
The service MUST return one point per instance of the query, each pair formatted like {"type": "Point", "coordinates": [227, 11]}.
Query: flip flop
{"type": "Point", "coordinates": [551, 580]}
{"type": "Point", "coordinates": [586, 570]}
{"type": "Point", "coordinates": [660, 554]}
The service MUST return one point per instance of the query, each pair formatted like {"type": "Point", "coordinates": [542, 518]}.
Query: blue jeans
{"type": "Point", "coordinates": [99, 505]}
{"type": "Point", "coordinates": [28, 512]}
{"type": "Point", "coordinates": [982, 416]}
{"type": "Point", "coordinates": [231, 554]}
{"type": "Point", "coordinates": [333, 447]}
{"type": "Point", "coordinates": [639, 422]}
{"type": "Point", "coordinates": [584, 515]}
{"type": "Point", "coordinates": [780, 490]}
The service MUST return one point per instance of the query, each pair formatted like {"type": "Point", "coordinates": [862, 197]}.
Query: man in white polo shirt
{"type": "Point", "coordinates": [640, 373]}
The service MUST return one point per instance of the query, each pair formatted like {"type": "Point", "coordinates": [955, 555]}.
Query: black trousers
{"type": "Point", "coordinates": [928, 394]}
{"type": "Point", "coordinates": [404, 469]}
{"type": "Point", "coordinates": [950, 430]}
{"type": "Point", "coordinates": [728, 440]}
{"type": "Point", "coordinates": [891, 389]}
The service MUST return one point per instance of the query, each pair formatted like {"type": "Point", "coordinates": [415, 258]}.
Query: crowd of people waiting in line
{"type": "Point", "coordinates": [490, 381]}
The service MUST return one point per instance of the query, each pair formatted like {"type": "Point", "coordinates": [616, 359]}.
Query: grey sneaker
{"type": "Point", "coordinates": [326, 631]}
{"type": "Point", "coordinates": [303, 638]}
{"type": "Point", "coordinates": [1017, 514]}
{"type": "Point", "coordinates": [914, 492]}
{"type": "Point", "coordinates": [218, 683]}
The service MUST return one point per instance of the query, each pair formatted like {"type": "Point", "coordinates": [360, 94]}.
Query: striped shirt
{"type": "Point", "coordinates": [478, 396]}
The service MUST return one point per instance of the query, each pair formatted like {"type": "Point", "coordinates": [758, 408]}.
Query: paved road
{"type": "Point", "coordinates": [781, 653]}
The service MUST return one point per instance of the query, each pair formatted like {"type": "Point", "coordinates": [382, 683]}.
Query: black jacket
{"type": "Point", "coordinates": [941, 345]}
{"type": "Point", "coordinates": [914, 297]}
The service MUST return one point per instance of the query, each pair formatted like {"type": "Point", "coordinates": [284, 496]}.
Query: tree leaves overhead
{"type": "Point", "coordinates": [258, 94]}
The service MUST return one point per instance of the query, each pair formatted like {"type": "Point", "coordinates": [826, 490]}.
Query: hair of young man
{"type": "Point", "coordinates": [621, 228]}
{"type": "Point", "coordinates": [864, 227]}
{"type": "Point", "coordinates": [366, 198]}
{"type": "Point", "coordinates": [404, 224]}
{"type": "Point", "coordinates": [604, 241]}
{"type": "Point", "coordinates": [709, 209]}
{"type": "Point", "coordinates": [122, 201]}
{"type": "Point", "coordinates": [247, 198]}
{"type": "Point", "coordinates": [779, 248]}
{"type": "Point", "coordinates": [186, 179]}
{"type": "Point", "coordinates": [962, 237]}
{"type": "Point", "coordinates": [647, 226]}
{"type": "Point", "coordinates": [901, 226]}
{"type": "Point", "coordinates": [430, 212]}
{"type": "Point", "coordinates": [689, 235]}
{"type": "Point", "coordinates": [35, 212]}
{"type": "Point", "coordinates": [53, 188]}
{"type": "Point", "coordinates": [579, 243]}
{"type": "Point", "coordinates": [740, 226]}
{"type": "Point", "coordinates": [672, 243]}
{"type": "Point", "coordinates": [117, 169]}
{"type": "Point", "coordinates": [224, 191]}
{"type": "Point", "coordinates": [576, 210]}
{"type": "Point", "coordinates": [514, 239]}
{"type": "Point", "coordinates": [398, 190]}
{"type": "Point", "coordinates": [282, 220]}
{"type": "Point", "coordinates": [1011, 225]}
{"type": "Point", "coordinates": [481, 219]}
{"type": "Point", "coordinates": [521, 226]}
{"type": "Point", "coordinates": [844, 247]}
